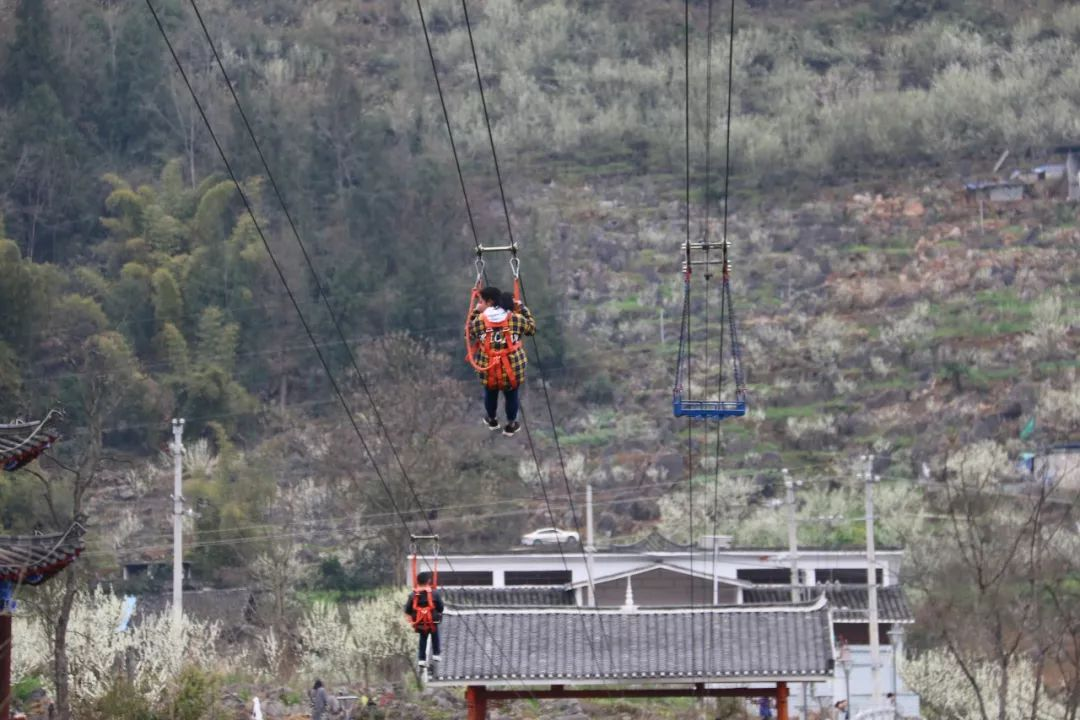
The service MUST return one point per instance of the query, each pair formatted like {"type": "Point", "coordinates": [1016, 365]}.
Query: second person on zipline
{"type": "Point", "coordinates": [496, 326]}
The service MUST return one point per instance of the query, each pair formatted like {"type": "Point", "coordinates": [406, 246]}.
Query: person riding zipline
{"type": "Point", "coordinates": [425, 608]}
{"type": "Point", "coordinates": [496, 326]}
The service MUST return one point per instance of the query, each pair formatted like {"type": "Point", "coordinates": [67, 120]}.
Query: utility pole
{"type": "Point", "coordinates": [792, 535]}
{"type": "Point", "coordinates": [178, 518]}
{"type": "Point", "coordinates": [590, 546]}
{"type": "Point", "coordinates": [793, 551]}
{"type": "Point", "coordinates": [871, 581]}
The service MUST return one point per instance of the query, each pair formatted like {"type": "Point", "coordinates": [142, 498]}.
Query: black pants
{"type": "Point", "coordinates": [422, 650]}
{"type": "Point", "coordinates": [491, 403]}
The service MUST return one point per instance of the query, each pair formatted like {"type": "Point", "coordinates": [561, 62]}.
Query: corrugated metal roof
{"type": "Point", "coordinates": [850, 603]}
{"type": "Point", "coordinates": [507, 597]}
{"type": "Point", "coordinates": [674, 645]}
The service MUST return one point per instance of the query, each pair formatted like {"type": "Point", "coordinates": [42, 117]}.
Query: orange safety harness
{"type": "Point", "coordinates": [423, 615]}
{"type": "Point", "coordinates": [498, 366]}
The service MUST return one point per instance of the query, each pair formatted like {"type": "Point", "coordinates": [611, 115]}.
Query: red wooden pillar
{"type": "Point", "coordinates": [476, 702]}
{"type": "Point", "coordinates": [5, 665]}
{"type": "Point", "coordinates": [781, 701]}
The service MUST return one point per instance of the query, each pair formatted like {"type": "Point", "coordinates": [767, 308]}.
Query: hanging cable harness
{"type": "Point", "coordinates": [424, 617]}
{"type": "Point", "coordinates": [492, 352]}
{"type": "Point", "coordinates": [718, 407]}
{"type": "Point", "coordinates": [698, 253]}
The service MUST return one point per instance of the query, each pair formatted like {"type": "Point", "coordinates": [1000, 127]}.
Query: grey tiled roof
{"type": "Point", "coordinates": [21, 442]}
{"type": "Point", "coordinates": [850, 603]}
{"type": "Point", "coordinates": [515, 646]}
{"type": "Point", "coordinates": [32, 559]}
{"type": "Point", "coordinates": [504, 597]}
{"type": "Point", "coordinates": [229, 606]}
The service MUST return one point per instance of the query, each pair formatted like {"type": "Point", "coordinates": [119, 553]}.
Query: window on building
{"type": "Point", "coordinates": [845, 576]}
{"type": "Point", "coordinates": [476, 577]}
{"type": "Point", "coordinates": [538, 577]}
{"type": "Point", "coordinates": [768, 576]}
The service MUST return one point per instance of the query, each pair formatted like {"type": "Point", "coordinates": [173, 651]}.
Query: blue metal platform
{"type": "Point", "coordinates": [719, 409]}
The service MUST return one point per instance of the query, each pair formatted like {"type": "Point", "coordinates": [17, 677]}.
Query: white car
{"type": "Point", "coordinates": [550, 536]}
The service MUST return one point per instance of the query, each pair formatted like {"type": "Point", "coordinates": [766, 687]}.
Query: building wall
{"type": "Point", "coordinates": [727, 563]}
{"type": "Point", "coordinates": [661, 588]}
{"type": "Point", "coordinates": [860, 681]}
{"type": "Point", "coordinates": [1059, 469]}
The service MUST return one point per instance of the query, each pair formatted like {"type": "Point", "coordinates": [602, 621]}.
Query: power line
{"type": "Point", "coordinates": [536, 351]}
{"type": "Point", "coordinates": [273, 259]}
{"type": "Point", "coordinates": [686, 318]}
{"type": "Point", "coordinates": [449, 131]}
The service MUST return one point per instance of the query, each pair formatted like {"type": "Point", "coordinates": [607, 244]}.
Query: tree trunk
{"type": "Point", "coordinates": [60, 659]}
{"type": "Point", "coordinates": [1003, 690]}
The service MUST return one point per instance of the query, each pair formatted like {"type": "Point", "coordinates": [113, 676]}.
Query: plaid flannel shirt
{"type": "Point", "coordinates": [519, 325]}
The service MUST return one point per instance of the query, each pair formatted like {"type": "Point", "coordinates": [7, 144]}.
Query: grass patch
{"type": "Point", "coordinates": [783, 412]}
{"type": "Point", "coordinates": [599, 436]}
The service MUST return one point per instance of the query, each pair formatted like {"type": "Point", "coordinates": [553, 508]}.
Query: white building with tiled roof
{"type": "Point", "coordinates": [658, 573]}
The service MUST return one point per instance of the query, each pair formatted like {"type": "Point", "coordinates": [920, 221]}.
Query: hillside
{"type": "Point", "coordinates": [877, 313]}
{"type": "Point", "coordinates": [856, 254]}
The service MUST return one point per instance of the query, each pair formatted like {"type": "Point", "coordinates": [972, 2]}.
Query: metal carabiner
{"type": "Point", "coordinates": [479, 268]}
{"type": "Point", "coordinates": [515, 265]}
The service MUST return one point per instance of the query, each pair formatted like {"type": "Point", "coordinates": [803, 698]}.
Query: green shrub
{"type": "Point", "coordinates": [22, 689]}
{"type": "Point", "coordinates": [122, 701]}
{"type": "Point", "coordinates": [196, 696]}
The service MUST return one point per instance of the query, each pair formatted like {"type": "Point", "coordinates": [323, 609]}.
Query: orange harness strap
{"type": "Point", "coordinates": [499, 365]}
{"type": "Point", "coordinates": [423, 619]}
{"type": "Point", "coordinates": [423, 616]}
{"type": "Point", "coordinates": [498, 359]}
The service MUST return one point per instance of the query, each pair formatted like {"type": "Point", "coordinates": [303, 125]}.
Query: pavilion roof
{"type": "Point", "coordinates": [32, 559]}
{"type": "Point", "coordinates": [598, 646]}
{"type": "Point", "coordinates": [850, 603]}
{"type": "Point", "coordinates": [22, 441]}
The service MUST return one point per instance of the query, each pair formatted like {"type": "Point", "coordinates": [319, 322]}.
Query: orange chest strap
{"type": "Point", "coordinates": [499, 365]}
{"type": "Point", "coordinates": [423, 615]}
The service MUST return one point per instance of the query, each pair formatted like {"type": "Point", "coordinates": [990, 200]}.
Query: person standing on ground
{"type": "Point", "coordinates": [323, 704]}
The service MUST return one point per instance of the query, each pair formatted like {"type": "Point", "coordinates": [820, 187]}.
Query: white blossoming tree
{"type": "Point", "coordinates": [993, 603]}
{"type": "Point", "coordinates": [945, 690]}
{"type": "Point", "coordinates": [152, 650]}
{"type": "Point", "coordinates": [343, 644]}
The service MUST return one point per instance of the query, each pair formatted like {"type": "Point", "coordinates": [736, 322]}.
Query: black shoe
{"type": "Point", "coordinates": [511, 428]}
{"type": "Point", "coordinates": [491, 423]}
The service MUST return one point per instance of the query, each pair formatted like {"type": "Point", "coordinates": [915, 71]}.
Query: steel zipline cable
{"type": "Point", "coordinates": [686, 318]}
{"type": "Point", "coordinates": [724, 298]}
{"type": "Point", "coordinates": [281, 276]}
{"type": "Point", "coordinates": [725, 289]}
{"type": "Point", "coordinates": [536, 351]}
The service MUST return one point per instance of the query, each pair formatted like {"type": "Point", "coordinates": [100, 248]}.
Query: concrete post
{"type": "Point", "coordinates": [178, 523]}
{"type": "Point", "coordinates": [871, 581]}
{"type": "Point", "coordinates": [590, 545]}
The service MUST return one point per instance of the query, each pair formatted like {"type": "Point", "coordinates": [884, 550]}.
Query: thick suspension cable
{"type": "Point", "coordinates": [487, 123]}
{"type": "Point", "coordinates": [536, 350]}
{"type": "Point", "coordinates": [449, 131]}
{"type": "Point", "coordinates": [690, 421]}
{"type": "Point", "coordinates": [281, 275]}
